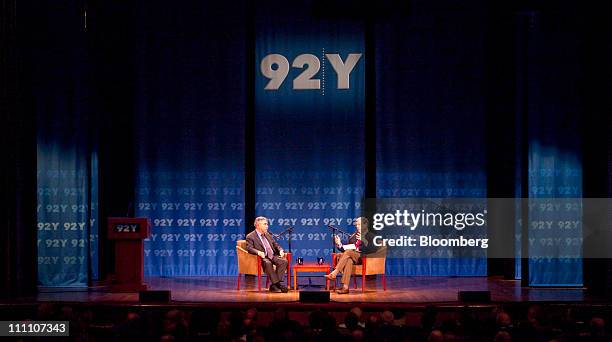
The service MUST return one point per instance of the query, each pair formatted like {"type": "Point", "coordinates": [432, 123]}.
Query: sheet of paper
{"type": "Point", "coordinates": [349, 246]}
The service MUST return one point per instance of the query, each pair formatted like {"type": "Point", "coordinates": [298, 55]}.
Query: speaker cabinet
{"type": "Point", "coordinates": [145, 297]}
{"type": "Point", "coordinates": [475, 296]}
{"type": "Point", "coordinates": [313, 296]}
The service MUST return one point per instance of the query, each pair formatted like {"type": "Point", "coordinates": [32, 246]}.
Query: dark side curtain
{"type": "Point", "coordinates": [18, 169]}
{"type": "Point", "coordinates": [66, 156]}
{"type": "Point", "coordinates": [551, 79]}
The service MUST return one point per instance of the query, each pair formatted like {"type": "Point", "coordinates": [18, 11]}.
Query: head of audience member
{"type": "Point", "coordinates": [86, 317]}
{"type": "Point", "coordinates": [449, 326]}
{"type": "Point", "coordinates": [435, 336]}
{"type": "Point", "coordinates": [175, 323]}
{"type": "Point", "coordinates": [236, 323]}
{"type": "Point", "coordinates": [450, 337]}
{"type": "Point", "coordinates": [316, 318]}
{"type": "Point", "coordinates": [503, 320]}
{"type": "Point", "coordinates": [502, 336]}
{"type": "Point", "coordinates": [428, 320]}
{"type": "Point", "coordinates": [175, 316]}
{"type": "Point", "coordinates": [329, 323]}
{"type": "Point", "coordinates": [387, 317]}
{"type": "Point", "coordinates": [597, 326]}
{"type": "Point", "coordinates": [372, 323]}
{"type": "Point", "coordinates": [66, 313]}
{"type": "Point", "coordinates": [280, 315]}
{"type": "Point", "coordinates": [534, 312]}
{"type": "Point", "coordinates": [133, 316]}
{"type": "Point", "coordinates": [250, 318]}
{"type": "Point", "coordinates": [351, 321]}
{"type": "Point", "coordinates": [258, 338]}
{"type": "Point", "coordinates": [358, 335]}
{"type": "Point", "coordinates": [167, 338]}
{"type": "Point", "coordinates": [205, 322]}
{"type": "Point", "coordinates": [44, 312]}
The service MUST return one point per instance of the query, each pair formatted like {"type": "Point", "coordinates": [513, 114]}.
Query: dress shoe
{"type": "Point", "coordinates": [342, 291]}
{"type": "Point", "coordinates": [330, 276]}
{"type": "Point", "coordinates": [283, 288]}
{"type": "Point", "coordinates": [275, 289]}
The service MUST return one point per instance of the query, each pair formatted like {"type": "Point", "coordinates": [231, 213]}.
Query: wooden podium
{"type": "Point", "coordinates": [128, 234]}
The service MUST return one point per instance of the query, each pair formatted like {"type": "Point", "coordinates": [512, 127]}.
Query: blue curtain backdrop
{"type": "Point", "coordinates": [430, 118]}
{"type": "Point", "coordinates": [190, 114]}
{"type": "Point", "coordinates": [309, 143]}
{"type": "Point", "coordinates": [66, 151]}
{"type": "Point", "coordinates": [553, 104]}
{"type": "Point", "coordinates": [191, 96]}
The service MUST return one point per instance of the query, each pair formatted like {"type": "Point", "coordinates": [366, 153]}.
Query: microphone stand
{"type": "Point", "coordinates": [334, 230]}
{"type": "Point", "coordinates": [288, 230]}
{"type": "Point", "coordinates": [288, 255]}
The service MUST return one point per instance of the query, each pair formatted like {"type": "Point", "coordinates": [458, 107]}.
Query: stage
{"type": "Point", "coordinates": [409, 298]}
{"type": "Point", "coordinates": [401, 291]}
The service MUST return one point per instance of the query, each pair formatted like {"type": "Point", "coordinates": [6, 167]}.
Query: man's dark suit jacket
{"type": "Point", "coordinates": [367, 246]}
{"type": "Point", "coordinates": [254, 243]}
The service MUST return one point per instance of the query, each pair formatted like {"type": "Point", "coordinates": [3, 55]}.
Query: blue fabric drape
{"type": "Point", "coordinates": [430, 118]}
{"type": "Point", "coordinates": [190, 119]}
{"type": "Point", "coordinates": [309, 143]}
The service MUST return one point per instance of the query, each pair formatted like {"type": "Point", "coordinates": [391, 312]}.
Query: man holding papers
{"type": "Point", "coordinates": [351, 253]}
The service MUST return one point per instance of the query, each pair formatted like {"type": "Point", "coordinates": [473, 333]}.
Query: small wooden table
{"type": "Point", "coordinates": [311, 267]}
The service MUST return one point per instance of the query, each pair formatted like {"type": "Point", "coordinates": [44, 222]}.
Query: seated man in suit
{"type": "Point", "coordinates": [350, 257]}
{"type": "Point", "coordinates": [260, 242]}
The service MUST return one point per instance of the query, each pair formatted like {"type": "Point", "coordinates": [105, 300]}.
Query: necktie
{"type": "Point", "coordinates": [269, 253]}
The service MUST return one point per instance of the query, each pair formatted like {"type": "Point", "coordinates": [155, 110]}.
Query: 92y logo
{"type": "Point", "coordinates": [275, 67]}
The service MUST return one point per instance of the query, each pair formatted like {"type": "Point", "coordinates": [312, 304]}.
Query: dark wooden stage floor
{"type": "Point", "coordinates": [406, 290]}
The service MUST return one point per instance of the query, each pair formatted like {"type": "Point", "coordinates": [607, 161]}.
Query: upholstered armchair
{"type": "Point", "coordinates": [373, 263]}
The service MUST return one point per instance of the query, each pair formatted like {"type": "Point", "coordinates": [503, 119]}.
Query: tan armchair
{"type": "Point", "coordinates": [371, 264]}
{"type": "Point", "coordinates": [250, 264]}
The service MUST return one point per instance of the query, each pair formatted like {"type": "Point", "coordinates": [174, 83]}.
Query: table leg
{"type": "Point", "coordinates": [294, 279]}
{"type": "Point", "coordinates": [288, 256]}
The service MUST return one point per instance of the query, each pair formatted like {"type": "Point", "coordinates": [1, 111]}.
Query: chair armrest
{"type": "Point", "coordinates": [238, 248]}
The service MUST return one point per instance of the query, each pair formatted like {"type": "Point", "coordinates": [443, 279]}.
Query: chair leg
{"type": "Point", "coordinates": [355, 282]}
{"type": "Point", "coordinates": [258, 273]}
{"type": "Point", "coordinates": [238, 282]}
{"type": "Point", "coordinates": [267, 282]}
{"type": "Point", "coordinates": [363, 274]}
{"type": "Point", "coordinates": [288, 258]}
{"type": "Point", "coordinates": [384, 282]}
{"type": "Point", "coordinates": [363, 282]}
{"type": "Point", "coordinates": [259, 279]}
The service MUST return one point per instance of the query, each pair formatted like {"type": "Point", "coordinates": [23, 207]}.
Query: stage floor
{"type": "Point", "coordinates": [415, 290]}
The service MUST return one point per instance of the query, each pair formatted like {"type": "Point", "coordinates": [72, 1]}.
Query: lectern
{"type": "Point", "coordinates": [128, 234]}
